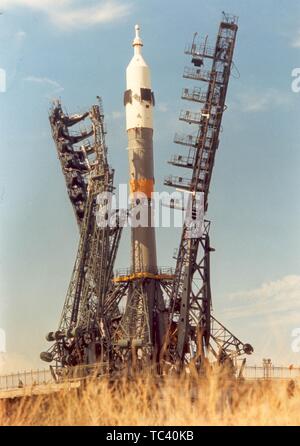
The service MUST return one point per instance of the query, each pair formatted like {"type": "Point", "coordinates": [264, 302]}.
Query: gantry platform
{"type": "Point", "coordinates": [128, 275]}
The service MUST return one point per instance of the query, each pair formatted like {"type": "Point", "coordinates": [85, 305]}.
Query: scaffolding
{"type": "Point", "coordinates": [193, 332]}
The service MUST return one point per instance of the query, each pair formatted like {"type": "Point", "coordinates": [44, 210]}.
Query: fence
{"type": "Point", "coordinates": [271, 372]}
{"type": "Point", "coordinates": [24, 379]}
{"type": "Point", "coordinates": [34, 378]}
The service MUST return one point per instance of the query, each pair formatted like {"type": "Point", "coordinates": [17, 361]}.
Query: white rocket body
{"type": "Point", "coordinates": [139, 113]}
{"type": "Point", "coordinates": [139, 102]}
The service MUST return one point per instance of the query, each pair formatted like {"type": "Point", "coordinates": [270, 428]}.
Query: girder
{"type": "Point", "coordinates": [192, 328]}
{"type": "Point", "coordinates": [92, 298]}
{"type": "Point", "coordinates": [144, 315]}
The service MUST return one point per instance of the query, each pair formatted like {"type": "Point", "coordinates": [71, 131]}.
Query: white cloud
{"type": "Point", "coordinates": [162, 107]}
{"type": "Point", "coordinates": [21, 35]}
{"type": "Point", "coordinates": [253, 101]}
{"type": "Point", "coordinates": [296, 41]}
{"type": "Point", "coordinates": [267, 317]}
{"type": "Point", "coordinates": [12, 362]}
{"type": "Point", "coordinates": [117, 114]}
{"type": "Point", "coordinates": [29, 3]}
{"type": "Point", "coordinates": [279, 300]}
{"type": "Point", "coordinates": [45, 81]}
{"type": "Point", "coordinates": [68, 14]}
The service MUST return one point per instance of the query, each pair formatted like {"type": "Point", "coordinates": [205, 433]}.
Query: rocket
{"type": "Point", "coordinates": [139, 103]}
{"type": "Point", "coordinates": [144, 319]}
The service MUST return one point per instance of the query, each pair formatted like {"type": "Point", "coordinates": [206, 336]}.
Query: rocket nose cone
{"type": "Point", "coordinates": [137, 42]}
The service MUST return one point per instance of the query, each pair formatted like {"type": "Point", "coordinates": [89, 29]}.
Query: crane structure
{"type": "Point", "coordinates": [144, 315]}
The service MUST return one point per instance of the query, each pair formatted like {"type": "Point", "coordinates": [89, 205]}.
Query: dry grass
{"type": "Point", "coordinates": [168, 401]}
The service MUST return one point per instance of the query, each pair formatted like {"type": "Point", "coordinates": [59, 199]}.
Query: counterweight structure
{"type": "Point", "coordinates": [167, 318]}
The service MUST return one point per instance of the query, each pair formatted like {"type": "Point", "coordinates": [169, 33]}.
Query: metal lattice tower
{"type": "Point", "coordinates": [90, 303]}
{"type": "Point", "coordinates": [166, 318]}
{"type": "Point", "coordinates": [193, 331]}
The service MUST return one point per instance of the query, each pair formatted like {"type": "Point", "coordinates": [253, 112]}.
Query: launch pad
{"type": "Point", "coordinates": [167, 322]}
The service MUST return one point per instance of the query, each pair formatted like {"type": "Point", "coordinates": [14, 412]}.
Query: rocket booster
{"type": "Point", "coordinates": [139, 103]}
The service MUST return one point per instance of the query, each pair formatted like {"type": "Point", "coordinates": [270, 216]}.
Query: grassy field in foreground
{"type": "Point", "coordinates": [169, 401]}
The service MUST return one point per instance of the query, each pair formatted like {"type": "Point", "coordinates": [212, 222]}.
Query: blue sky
{"type": "Point", "coordinates": [75, 50]}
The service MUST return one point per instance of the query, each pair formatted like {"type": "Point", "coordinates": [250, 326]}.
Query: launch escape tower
{"type": "Point", "coordinates": [167, 318]}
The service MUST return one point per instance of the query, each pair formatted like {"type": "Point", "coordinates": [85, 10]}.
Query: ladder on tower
{"type": "Point", "coordinates": [192, 328]}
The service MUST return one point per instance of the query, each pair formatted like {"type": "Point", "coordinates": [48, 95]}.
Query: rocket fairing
{"type": "Point", "coordinates": [138, 97]}
{"type": "Point", "coordinates": [139, 103]}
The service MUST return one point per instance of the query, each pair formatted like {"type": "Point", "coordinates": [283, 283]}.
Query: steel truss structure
{"type": "Point", "coordinates": [167, 316]}
{"type": "Point", "coordinates": [92, 298]}
{"type": "Point", "coordinates": [193, 331]}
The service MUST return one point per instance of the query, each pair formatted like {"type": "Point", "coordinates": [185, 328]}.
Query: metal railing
{"type": "Point", "coordinates": [163, 270]}
{"type": "Point", "coordinates": [273, 372]}
{"type": "Point", "coordinates": [185, 140]}
{"type": "Point", "coordinates": [183, 161]}
{"type": "Point", "coordinates": [35, 378]}
{"type": "Point", "coordinates": [199, 74]}
{"type": "Point", "coordinates": [179, 182]}
{"type": "Point", "coordinates": [201, 50]}
{"type": "Point", "coordinates": [26, 379]}
{"type": "Point", "coordinates": [190, 117]}
{"type": "Point", "coordinates": [44, 377]}
{"type": "Point", "coordinates": [197, 95]}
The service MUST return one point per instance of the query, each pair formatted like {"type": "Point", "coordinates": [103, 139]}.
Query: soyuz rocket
{"type": "Point", "coordinates": [139, 103]}
{"type": "Point", "coordinates": [145, 304]}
